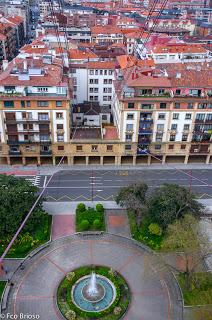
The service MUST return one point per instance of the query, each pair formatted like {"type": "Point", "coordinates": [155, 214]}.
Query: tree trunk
{"type": "Point", "coordinates": [138, 217]}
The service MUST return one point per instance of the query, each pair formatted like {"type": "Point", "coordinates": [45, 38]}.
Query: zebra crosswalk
{"type": "Point", "coordinates": [35, 180]}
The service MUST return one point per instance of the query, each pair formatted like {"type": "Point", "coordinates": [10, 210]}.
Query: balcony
{"type": "Point", "coordinates": [43, 119]}
{"type": "Point", "coordinates": [145, 131]}
{"type": "Point", "coordinates": [14, 153]}
{"type": "Point", "coordinates": [146, 120]}
{"type": "Point", "coordinates": [144, 141]}
{"type": "Point", "coordinates": [45, 152]}
{"type": "Point", "coordinates": [153, 95]}
{"type": "Point", "coordinates": [18, 142]}
{"type": "Point", "coordinates": [142, 151]}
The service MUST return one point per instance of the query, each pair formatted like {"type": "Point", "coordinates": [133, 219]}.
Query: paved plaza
{"type": "Point", "coordinates": [155, 294]}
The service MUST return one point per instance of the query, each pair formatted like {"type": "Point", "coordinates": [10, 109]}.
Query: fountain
{"type": "Point", "coordinates": [92, 290]}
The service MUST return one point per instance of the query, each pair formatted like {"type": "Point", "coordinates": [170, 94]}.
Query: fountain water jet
{"type": "Point", "coordinates": [92, 289]}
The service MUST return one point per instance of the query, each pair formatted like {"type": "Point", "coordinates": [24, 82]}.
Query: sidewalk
{"type": "Point", "coordinates": [117, 222]}
{"type": "Point", "coordinates": [67, 208]}
{"type": "Point", "coordinates": [10, 265]}
{"type": "Point", "coordinates": [48, 170]}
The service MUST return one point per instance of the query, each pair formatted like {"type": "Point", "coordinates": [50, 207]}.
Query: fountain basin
{"type": "Point", "coordinates": [103, 300]}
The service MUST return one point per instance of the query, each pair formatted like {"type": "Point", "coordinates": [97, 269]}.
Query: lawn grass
{"type": "Point", "coordinates": [142, 233]}
{"type": "Point", "coordinates": [41, 234]}
{"type": "Point", "coordinates": [90, 215]}
{"type": "Point", "coordinates": [2, 285]}
{"type": "Point", "coordinates": [201, 289]}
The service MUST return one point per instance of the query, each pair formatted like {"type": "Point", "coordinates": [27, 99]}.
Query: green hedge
{"type": "Point", "coordinates": [122, 298]}
{"type": "Point", "coordinates": [90, 219]}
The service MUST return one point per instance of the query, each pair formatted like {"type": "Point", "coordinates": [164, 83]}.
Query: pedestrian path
{"type": "Point", "coordinates": [63, 225]}
{"type": "Point", "coordinates": [117, 222]}
{"type": "Point", "coordinates": [9, 267]}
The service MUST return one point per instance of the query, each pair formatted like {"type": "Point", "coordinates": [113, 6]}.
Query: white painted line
{"type": "Point", "coordinates": [44, 183]}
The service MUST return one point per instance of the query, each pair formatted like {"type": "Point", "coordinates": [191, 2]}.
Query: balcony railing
{"type": "Point", "coordinates": [142, 151]}
{"type": "Point", "coordinates": [46, 152]}
{"type": "Point", "coordinates": [14, 153]}
{"type": "Point", "coordinates": [146, 120]}
{"type": "Point", "coordinates": [145, 131]}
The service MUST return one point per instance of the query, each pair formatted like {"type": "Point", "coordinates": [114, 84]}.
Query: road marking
{"type": "Point", "coordinates": [44, 183]}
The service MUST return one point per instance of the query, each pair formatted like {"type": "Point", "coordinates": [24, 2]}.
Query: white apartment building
{"type": "Point", "coordinates": [93, 81]}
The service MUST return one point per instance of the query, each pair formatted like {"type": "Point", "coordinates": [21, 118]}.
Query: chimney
{"type": "Point", "coordinates": [5, 64]}
{"type": "Point", "coordinates": [25, 65]}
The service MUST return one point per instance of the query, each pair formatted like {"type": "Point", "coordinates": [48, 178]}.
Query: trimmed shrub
{"type": "Point", "coordinates": [99, 207]}
{"type": "Point", "coordinates": [81, 207]}
{"type": "Point", "coordinates": [96, 224]}
{"type": "Point", "coordinates": [155, 229]}
{"type": "Point", "coordinates": [71, 315]}
{"type": "Point", "coordinates": [84, 225]}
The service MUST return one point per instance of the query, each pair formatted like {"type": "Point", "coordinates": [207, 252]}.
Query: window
{"type": "Point", "coordinates": [183, 146]}
{"type": "Point", "coordinates": [91, 90]}
{"type": "Point", "coordinates": [59, 115]}
{"type": "Point", "coordinates": [60, 148]}
{"type": "Point", "coordinates": [94, 148]}
{"type": "Point", "coordinates": [79, 148]}
{"type": "Point", "coordinates": [186, 127]}
{"type": "Point", "coordinates": [160, 127]}
{"type": "Point", "coordinates": [188, 116]}
{"type": "Point", "coordinates": [105, 72]}
{"type": "Point", "coordinates": [200, 116]}
{"type": "Point", "coordinates": [177, 105]}
{"type": "Point", "coordinates": [172, 137]}
{"type": "Point", "coordinates": [42, 89]}
{"type": "Point", "coordinates": [96, 72]}
{"type": "Point", "coordinates": [146, 106]}
{"type": "Point", "coordinates": [28, 104]}
{"type": "Point", "coordinates": [101, 72]}
{"type": "Point", "coordinates": [59, 126]}
{"type": "Point", "coordinates": [60, 138]}
{"type": "Point", "coordinates": [184, 137]}
{"type": "Point", "coordinates": [110, 81]}
{"type": "Point", "coordinates": [22, 104]}
{"type": "Point", "coordinates": [58, 103]}
{"type": "Point", "coordinates": [209, 117]}
{"type": "Point", "coordinates": [105, 81]}
{"type": "Point", "coordinates": [42, 103]}
{"type": "Point", "coordinates": [128, 137]}
{"type": "Point", "coordinates": [174, 126]}
{"type": "Point", "coordinates": [162, 116]}
{"type": "Point", "coordinates": [162, 105]}
{"type": "Point", "coordinates": [96, 90]}
{"type": "Point", "coordinates": [131, 105]}
{"type": "Point", "coordinates": [130, 116]}
{"type": "Point", "coordinates": [175, 116]}
{"type": "Point", "coordinates": [129, 127]}
{"type": "Point", "coordinates": [171, 147]}
{"type": "Point", "coordinates": [128, 147]}
{"type": "Point", "coordinates": [161, 91]}
{"type": "Point", "coordinates": [190, 105]}
{"type": "Point", "coordinates": [158, 147]}
{"type": "Point", "coordinates": [96, 81]}
{"type": "Point", "coordinates": [109, 148]}
{"type": "Point", "coordinates": [43, 116]}
{"type": "Point", "coordinates": [9, 104]}
{"type": "Point", "coordinates": [74, 88]}
{"type": "Point", "coordinates": [146, 91]}
{"type": "Point", "coordinates": [178, 92]}
{"type": "Point", "coordinates": [159, 137]}
{"type": "Point", "coordinates": [104, 98]}
{"type": "Point", "coordinates": [91, 72]}
{"type": "Point", "coordinates": [110, 72]}
{"type": "Point", "coordinates": [104, 117]}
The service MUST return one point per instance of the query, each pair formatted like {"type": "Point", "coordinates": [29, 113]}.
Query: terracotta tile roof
{"type": "Point", "coordinates": [52, 74]}
{"type": "Point", "coordinates": [76, 54]}
{"type": "Point", "coordinates": [101, 65]}
{"type": "Point", "coordinates": [2, 37]}
{"type": "Point", "coordinates": [178, 48]}
{"type": "Point", "coordinates": [192, 75]}
{"type": "Point", "coordinates": [148, 81]}
{"type": "Point", "coordinates": [110, 133]}
{"type": "Point", "coordinates": [126, 61]}
{"type": "Point", "coordinates": [15, 19]}
{"type": "Point", "coordinates": [105, 30]}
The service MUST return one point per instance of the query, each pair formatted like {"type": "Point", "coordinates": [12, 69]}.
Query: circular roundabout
{"type": "Point", "coordinates": [104, 277]}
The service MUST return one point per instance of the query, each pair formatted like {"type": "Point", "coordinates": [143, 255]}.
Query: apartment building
{"type": "Point", "coordinates": [106, 35]}
{"type": "Point", "coordinates": [165, 118]}
{"type": "Point", "coordinates": [93, 81]}
{"type": "Point", "coordinates": [34, 112]}
{"type": "Point", "coordinates": [8, 46]}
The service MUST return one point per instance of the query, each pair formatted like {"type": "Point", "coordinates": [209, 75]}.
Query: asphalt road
{"type": "Point", "coordinates": [68, 185]}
